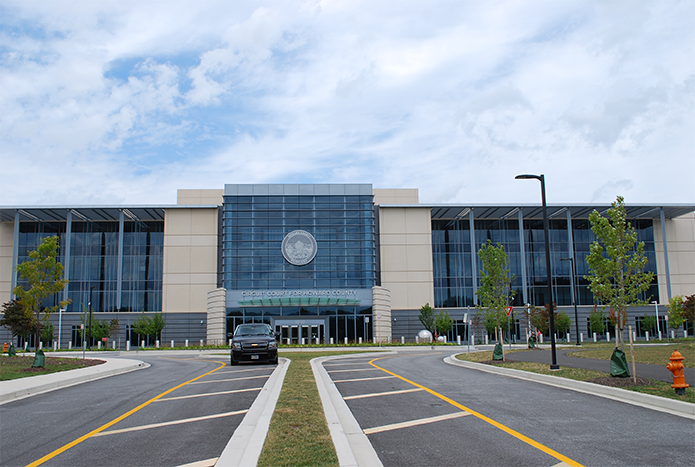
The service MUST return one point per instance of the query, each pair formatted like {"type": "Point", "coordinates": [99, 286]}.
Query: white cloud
{"type": "Point", "coordinates": [127, 101]}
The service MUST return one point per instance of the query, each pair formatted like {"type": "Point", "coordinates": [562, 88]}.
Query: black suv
{"type": "Point", "coordinates": [254, 342]}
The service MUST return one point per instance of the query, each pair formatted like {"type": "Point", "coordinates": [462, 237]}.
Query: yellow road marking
{"type": "Point", "coordinates": [173, 422]}
{"type": "Point", "coordinates": [208, 394]}
{"type": "Point", "coordinates": [377, 394]}
{"type": "Point", "coordinates": [362, 379]}
{"type": "Point", "coordinates": [118, 419]}
{"type": "Point", "coordinates": [232, 379]}
{"type": "Point", "coordinates": [421, 421]}
{"type": "Point", "coordinates": [492, 422]}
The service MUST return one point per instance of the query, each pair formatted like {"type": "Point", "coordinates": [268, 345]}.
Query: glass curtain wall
{"type": "Point", "coordinates": [93, 262]}
{"type": "Point", "coordinates": [453, 274]}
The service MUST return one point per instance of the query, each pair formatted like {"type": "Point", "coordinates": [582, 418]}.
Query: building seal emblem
{"type": "Point", "coordinates": [299, 247]}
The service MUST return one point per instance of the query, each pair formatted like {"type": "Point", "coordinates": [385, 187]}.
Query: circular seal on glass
{"type": "Point", "coordinates": [299, 247]}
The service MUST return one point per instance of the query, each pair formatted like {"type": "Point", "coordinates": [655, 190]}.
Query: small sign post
{"type": "Point", "coordinates": [508, 310]}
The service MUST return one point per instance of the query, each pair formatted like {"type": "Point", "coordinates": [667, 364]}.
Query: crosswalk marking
{"type": "Point", "coordinates": [377, 394]}
{"type": "Point", "coordinates": [209, 394]}
{"type": "Point", "coordinates": [173, 422]}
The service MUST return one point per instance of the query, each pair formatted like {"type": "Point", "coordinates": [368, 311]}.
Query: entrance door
{"type": "Point", "coordinates": [294, 330]}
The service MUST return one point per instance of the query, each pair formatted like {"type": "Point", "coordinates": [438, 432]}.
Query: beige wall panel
{"type": "Point", "coordinates": [420, 276]}
{"type": "Point", "coordinates": [419, 294]}
{"type": "Point", "coordinates": [176, 298]}
{"type": "Point", "coordinates": [420, 258]}
{"type": "Point", "coordinates": [394, 276]}
{"type": "Point", "coordinates": [178, 260]}
{"type": "Point", "coordinates": [680, 234]}
{"type": "Point", "coordinates": [419, 239]}
{"type": "Point", "coordinates": [418, 221]}
{"type": "Point", "coordinates": [204, 222]}
{"type": "Point", "coordinates": [190, 258]}
{"type": "Point", "coordinates": [177, 222]}
{"type": "Point", "coordinates": [396, 196]}
{"type": "Point", "coordinates": [394, 258]}
{"type": "Point", "coordinates": [391, 221]}
{"type": "Point", "coordinates": [6, 248]}
{"type": "Point", "coordinates": [199, 197]}
{"type": "Point", "coordinates": [392, 239]}
{"type": "Point", "coordinates": [399, 296]}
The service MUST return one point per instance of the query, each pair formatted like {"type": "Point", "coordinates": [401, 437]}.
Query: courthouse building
{"type": "Point", "coordinates": [325, 262]}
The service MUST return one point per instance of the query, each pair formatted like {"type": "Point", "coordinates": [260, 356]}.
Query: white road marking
{"type": "Point", "coordinates": [231, 379]}
{"type": "Point", "coordinates": [205, 463]}
{"type": "Point", "coordinates": [356, 369]}
{"type": "Point", "coordinates": [174, 422]}
{"type": "Point", "coordinates": [362, 379]}
{"type": "Point", "coordinates": [208, 394]}
{"type": "Point", "coordinates": [377, 394]}
{"type": "Point", "coordinates": [422, 421]}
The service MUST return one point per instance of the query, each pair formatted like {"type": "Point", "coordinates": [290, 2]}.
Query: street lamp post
{"type": "Point", "coordinates": [551, 317]}
{"type": "Point", "coordinates": [90, 316]}
{"type": "Point", "coordinates": [574, 298]}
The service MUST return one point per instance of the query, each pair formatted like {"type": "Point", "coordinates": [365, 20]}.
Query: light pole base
{"type": "Point", "coordinates": [554, 367]}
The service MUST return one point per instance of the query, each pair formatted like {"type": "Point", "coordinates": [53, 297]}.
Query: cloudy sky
{"type": "Point", "coordinates": [115, 102]}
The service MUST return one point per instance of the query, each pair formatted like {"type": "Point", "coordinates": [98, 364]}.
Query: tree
{"type": "Point", "coordinates": [562, 322]}
{"type": "Point", "coordinates": [680, 310]}
{"type": "Point", "coordinates": [427, 318]}
{"type": "Point", "coordinates": [616, 263]}
{"type": "Point", "coordinates": [150, 327]}
{"type": "Point", "coordinates": [44, 276]}
{"type": "Point", "coordinates": [597, 321]}
{"type": "Point", "coordinates": [539, 318]}
{"type": "Point", "coordinates": [443, 322]}
{"type": "Point", "coordinates": [18, 319]}
{"type": "Point", "coordinates": [494, 293]}
{"type": "Point", "coordinates": [649, 323]}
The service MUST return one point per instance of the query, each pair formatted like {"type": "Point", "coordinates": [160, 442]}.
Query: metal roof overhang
{"type": "Point", "coordinates": [90, 213]}
{"type": "Point", "coordinates": [644, 211]}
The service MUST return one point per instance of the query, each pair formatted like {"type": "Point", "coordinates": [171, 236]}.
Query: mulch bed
{"type": "Point", "coordinates": [604, 380]}
{"type": "Point", "coordinates": [620, 382]}
{"type": "Point", "coordinates": [27, 361]}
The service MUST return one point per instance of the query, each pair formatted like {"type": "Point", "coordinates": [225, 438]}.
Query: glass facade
{"type": "Point", "coordinates": [90, 256]}
{"type": "Point", "coordinates": [343, 225]}
{"type": "Point", "coordinates": [454, 275]}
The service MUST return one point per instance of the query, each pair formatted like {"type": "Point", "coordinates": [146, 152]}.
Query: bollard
{"type": "Point", "coordinates": [676, 367]}
{"type": "Point", "coordinates": [673, 334]}
{"type": "Point", "coordinates": [568, 337]}
{"type": "Point", "coordinates": [142, 344]}
{"type": "Point", "coordinates": [331, 341]}
{"type": "Point", "coordinates": [156, 344]}
{"type": "Point", "coordinates": [346, 341]}
{"type": "Point", "coordinates": [230, 342]}
{"type": "Point", "coordinates": [634, 335]}
{"type": "Point", "coordinates": [458, 340]}
{"type": "Point", "coordinates": [288, 341]}
{"type": "Point", "coordinates": [471, 339]}
{"type": "Point", "coordinates": [70, 345]}
{"type": "Point", "coordinates": [359, 340]}
{"type": "Point", "coordinates": [608, 337]}
{"type": "Point", "coordinates": [172, 343]}
{"type": "Point", "coordinates": [99, 345]}
{"type": "Point", "coordinates": [541, 336]}
{"type": "Point", "coordinates": [55, 346]}
{"type": "Point", "coordinates": [581, 337]}
{"type": "Point", "coordinates": [659, 335]}
{"type": "Point", "coordinates": [685, 333]}
{"type": "Point", "coordinates": [402, 339]}
{"type": "Point", "coordinates": [417, 339]}
{"type": "Point", "coordinates": [594, 337]}
{"type": "Point", "coordinates": [40, 345]}
{"type": "Point", "coordinates": [113, 345]}
{"type": "Point", "coordinates": [646, 335]}
{"type": "Point", "coordinates": [186, 343]}
{"type": "Point", "coordinates": [127, 346]}
{"type": "Point", "coordinates": [302, 340]}
{"type": "Point", "coordinates": [486, 339]}
{"type": "Point", "coordinates": [318, 341]}
{"type": "Point", "coordinates": [201, 342]}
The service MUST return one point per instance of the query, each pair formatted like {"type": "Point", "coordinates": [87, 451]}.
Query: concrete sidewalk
{"type": "Point", "coordinates": [25, 387]}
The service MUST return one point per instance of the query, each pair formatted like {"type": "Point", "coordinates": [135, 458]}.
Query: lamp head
{"type": "Point", "coordinates": [527, 177]}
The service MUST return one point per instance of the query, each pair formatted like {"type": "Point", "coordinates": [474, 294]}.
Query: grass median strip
{"type": "Point", "coordinates": [298, 433]}
{"type": "Point", "coordinates": [655, 388]}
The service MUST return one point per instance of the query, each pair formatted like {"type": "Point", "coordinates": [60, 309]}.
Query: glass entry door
{"type": "Point", "coordinates": [298, 331]}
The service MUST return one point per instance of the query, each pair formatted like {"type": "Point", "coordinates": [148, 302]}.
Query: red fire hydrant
{"type": "Point", "coordinates": [676, 367]}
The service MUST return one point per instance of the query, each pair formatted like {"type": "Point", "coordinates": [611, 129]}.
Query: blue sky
{"type": "Point", "coordinates": [123, 102]}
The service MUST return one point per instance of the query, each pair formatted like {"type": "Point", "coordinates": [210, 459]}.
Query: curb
{"type": "Point", "coordinates": [17, 389]}
{"type": "Point", "coordinates": [245, 446]}
{"type": "Point", "coordinates": [673, 407]}
{"type": "Point", "coordinates": [351, 444]}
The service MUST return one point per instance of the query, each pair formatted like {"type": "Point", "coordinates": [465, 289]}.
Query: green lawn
{"type": "Point", "coordinates": [20, 367]}
{"type": "Point", "coordinates": [298, 433]}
